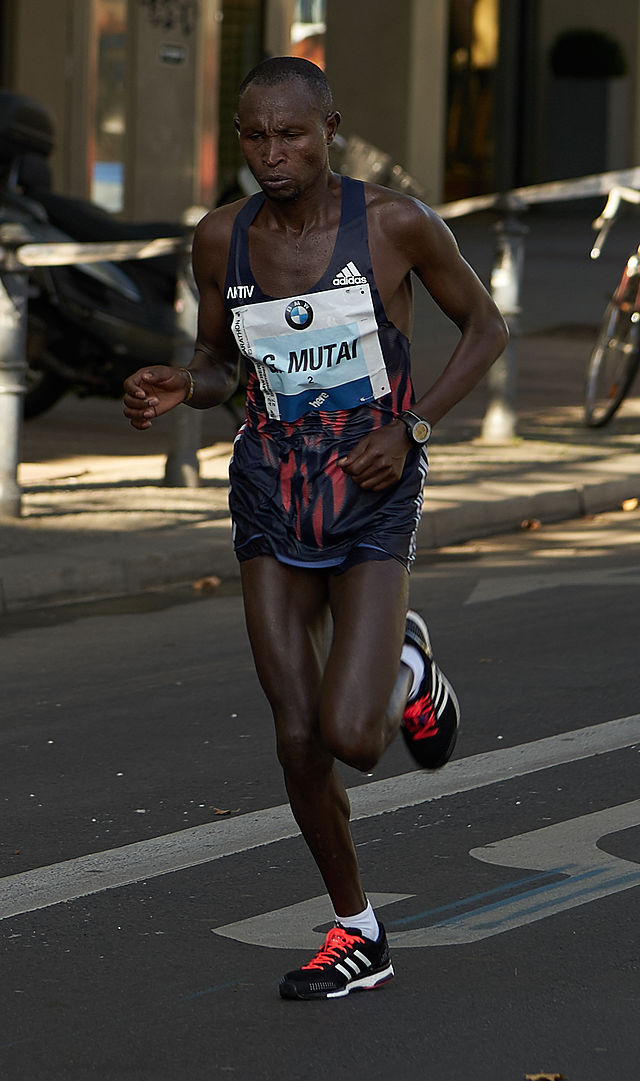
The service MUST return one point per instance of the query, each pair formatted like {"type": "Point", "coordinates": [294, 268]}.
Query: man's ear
{"type": "Point", "coordinates": [333, 122]}
{"type": "Point", "coordinates": [236, 123]}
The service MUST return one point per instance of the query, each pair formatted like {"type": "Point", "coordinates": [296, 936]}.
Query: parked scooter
{"type": "Point", "coordinates": [91, 325]}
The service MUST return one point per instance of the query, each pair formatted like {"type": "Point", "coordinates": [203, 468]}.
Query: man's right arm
{"type": "Point", "coordinates": [213, 377]}
{"type": "Point", "coordinates": [215, 366]}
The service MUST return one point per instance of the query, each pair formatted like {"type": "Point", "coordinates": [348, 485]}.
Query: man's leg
{"type": "Point", "coordinates": [287, 613]}
{"type": "Point", "coordinates": [326, 709]}
{"type": "Point", "coordinates": [365, 687]}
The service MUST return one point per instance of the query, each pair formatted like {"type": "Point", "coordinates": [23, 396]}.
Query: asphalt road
{"type": "Point", "coordinates": [508, 882]}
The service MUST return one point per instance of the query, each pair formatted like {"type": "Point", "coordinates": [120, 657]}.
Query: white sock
{"type": "Point", "coordinates": [362, 921]}
{"type": "Point", "coordinates": [412, 657]}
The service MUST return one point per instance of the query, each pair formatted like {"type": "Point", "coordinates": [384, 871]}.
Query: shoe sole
{"type": "Point", "coordinates": [364, 983]}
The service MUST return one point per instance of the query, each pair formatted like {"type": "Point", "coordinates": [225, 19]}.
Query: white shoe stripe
{"type": "Point", "coordinates": [361, 957]}
{"type": "Point", "coordinates": [368, 981]}
{"type": "Point", "coordinates": [343, 970]}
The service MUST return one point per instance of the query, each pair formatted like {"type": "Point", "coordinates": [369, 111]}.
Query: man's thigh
{"type": "Point", "coordinates": [369, 607]}
{"type": "Point", "coordinates": [287, 616]}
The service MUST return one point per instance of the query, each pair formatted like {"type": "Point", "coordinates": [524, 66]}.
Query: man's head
{"type": "Point", "coordinates": [291, 69]}
{"type": "Point", "coordinates": [285, 122]}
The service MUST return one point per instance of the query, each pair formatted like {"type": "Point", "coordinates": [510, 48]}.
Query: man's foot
{"type": "Point", "coordinates": [430, 722]}
{"type": "Point", "coordinates": [347, 962]}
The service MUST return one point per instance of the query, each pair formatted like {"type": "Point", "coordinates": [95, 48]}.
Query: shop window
{"type": "Point", "coordinates": [241, 48]}
{"type": "Point", "coordinates": [473, 59]}
{"type": "Point", "coordinates": [109, 130]}
{"type": "Point", "coordinates": [308, 31]}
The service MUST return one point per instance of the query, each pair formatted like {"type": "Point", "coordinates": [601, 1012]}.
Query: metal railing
{"type": "Point", "coordinates": [499, 424]}
{"type": "Point", "coordinates": [17, 256]}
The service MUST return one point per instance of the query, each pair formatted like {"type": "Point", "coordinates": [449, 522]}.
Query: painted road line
{"type": "Point", "coordinates": [45, 886]}
{"type": "Point", "coordinates": [516, 585]}
{"type": "Point", "coordinates": [292, 927]}
{"type": "Point", "coordinates": [567, 851]}
{"type": "Point", "coordinates": [567, 848]}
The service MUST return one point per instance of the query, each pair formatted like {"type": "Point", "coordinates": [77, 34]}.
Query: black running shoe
{"type": "Point", "coordinates": [430, 722]}
{"type": "Point", "coordinates": [347, 962]}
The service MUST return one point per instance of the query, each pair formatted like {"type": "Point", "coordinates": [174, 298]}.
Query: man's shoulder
{"type": "Point", "coordinates": [395, 214]}
{"type": "Point", "coordinates": [218, 224]}
{"type": "Point", "coordinates": [212, 240]}
{"type": "Point", "coordinates": [392, 203]}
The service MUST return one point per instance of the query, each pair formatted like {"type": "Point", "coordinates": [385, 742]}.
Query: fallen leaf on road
{"type": "Point", "coordinates": [544, 1077]}
{"type": "Point", "coordinates": [530, 523]}
{"type": "Point", "coordinates": [630, 504]}
{"type": "Point", "coordinates": [219, 811]}
{"type": "Point", "coordinates": [206, 585]}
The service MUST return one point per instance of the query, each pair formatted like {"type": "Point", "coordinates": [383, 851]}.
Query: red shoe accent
{"type": "Point", "coordinates": [419, 718]}
{"type": "Point", "coordinates": [337, 942]}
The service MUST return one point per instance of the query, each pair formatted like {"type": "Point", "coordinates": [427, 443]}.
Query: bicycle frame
{"type": "Point", "coordinates": [623, 297]}
{"type": "Point", "coordinates": [615, 357]}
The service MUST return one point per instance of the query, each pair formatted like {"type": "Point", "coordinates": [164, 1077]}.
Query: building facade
{"type": "Point", "coordinates": [469, 96]}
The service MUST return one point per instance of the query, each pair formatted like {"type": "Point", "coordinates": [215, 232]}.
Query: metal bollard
{"type": "Point", "coordinates": [13, 366]}
{"type": "Point", "coordinates": [182, 469]}
{"type": "Point", "coordinates": [499, 424]}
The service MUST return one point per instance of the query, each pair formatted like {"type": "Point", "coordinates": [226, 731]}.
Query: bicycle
{"type": "Point", "coordinates": [615, 358]}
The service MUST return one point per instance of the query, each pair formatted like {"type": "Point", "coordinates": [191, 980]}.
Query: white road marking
{"type": "Point", "coordinates": [567, 848]}
{"type": "Point", "coordinates": [512, 585]}
{"type": "Point", "coordinates": [61, 882]}
{"type": "Point", "coordinates": [292, 927]}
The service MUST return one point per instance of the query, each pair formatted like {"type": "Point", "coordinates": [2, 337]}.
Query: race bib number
{"type": "Point", "coordinates": [315, 352]}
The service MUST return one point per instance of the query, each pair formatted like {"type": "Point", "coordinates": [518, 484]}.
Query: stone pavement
{"type": "Point", "coordinates": [97, 520]}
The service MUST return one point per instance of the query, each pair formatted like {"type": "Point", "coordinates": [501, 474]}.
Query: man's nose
{"type": "Point", "coordinates": [273, 151]}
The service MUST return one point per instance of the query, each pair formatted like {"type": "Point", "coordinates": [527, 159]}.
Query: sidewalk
{"type": "Point", "coordinates": [97, 521]}
{"type": "Point", "coordinates": [96, 525]}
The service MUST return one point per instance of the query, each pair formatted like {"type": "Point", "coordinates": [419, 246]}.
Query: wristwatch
{"type": "Point", "coordinates": [418, 429]}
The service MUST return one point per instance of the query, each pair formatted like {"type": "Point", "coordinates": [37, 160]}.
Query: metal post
{"type": "Point", "coordinates": [182, 469]}
{"type": "Point", "coordinates": [500, 423]}
{"type": "Point", "coordinates": [13, 366]}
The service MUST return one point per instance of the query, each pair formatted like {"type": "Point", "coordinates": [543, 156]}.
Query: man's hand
{"type": "Point", "coordinates": [377, 461]}
{"type": "Point", "coordinates": [152, 391]}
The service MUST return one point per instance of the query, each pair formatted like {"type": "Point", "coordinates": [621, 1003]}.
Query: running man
{"type": "Point", "coordinates": [310, 282]}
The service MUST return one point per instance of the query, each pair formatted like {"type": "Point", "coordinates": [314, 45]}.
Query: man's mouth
{"type": "Point", "coordinates": [274, 181]}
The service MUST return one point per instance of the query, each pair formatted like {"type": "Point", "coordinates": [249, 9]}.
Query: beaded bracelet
{"type": "Point", "coordinates": [190, 392]}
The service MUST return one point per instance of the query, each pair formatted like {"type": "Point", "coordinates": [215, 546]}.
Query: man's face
{"type": "Point", "coordinates": [284, 136]}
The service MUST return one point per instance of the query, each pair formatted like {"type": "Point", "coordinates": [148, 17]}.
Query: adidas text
{"type": "Point", "coordinates": [349, 275]}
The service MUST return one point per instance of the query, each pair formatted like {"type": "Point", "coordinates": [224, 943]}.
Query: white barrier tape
{"type": "Point", "coordinates": [555, 190]}
{"type": "Point", "coordinates": [68, 254]}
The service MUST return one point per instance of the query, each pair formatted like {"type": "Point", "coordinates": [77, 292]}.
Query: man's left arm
{"type": "Point", "coordinates": [427, 246]}
{"type": "Point", "coordinates": [460, 294]}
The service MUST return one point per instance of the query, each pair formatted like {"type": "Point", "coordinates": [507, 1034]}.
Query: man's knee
{"type": "Point", "coordinates": [357, 739]}
{"type": "Point", "coordinates": [300, 748]}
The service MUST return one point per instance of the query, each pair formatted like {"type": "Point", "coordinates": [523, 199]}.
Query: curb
{"type": "Point", "coordinates": [452, 515]}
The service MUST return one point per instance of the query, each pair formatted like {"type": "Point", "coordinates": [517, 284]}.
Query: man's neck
{"type": "Point", "coordinates": [307, 210]}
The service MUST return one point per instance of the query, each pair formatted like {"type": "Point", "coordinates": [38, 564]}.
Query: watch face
{"type": "Point", "coordinates": [421, 432]}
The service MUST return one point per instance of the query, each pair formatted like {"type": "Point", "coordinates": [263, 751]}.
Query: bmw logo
{"type": "Point", "coordinates": [299, 315]}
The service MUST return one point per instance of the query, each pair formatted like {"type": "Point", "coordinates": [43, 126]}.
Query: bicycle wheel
{"type": "Point", "coordinates": [613, 363]}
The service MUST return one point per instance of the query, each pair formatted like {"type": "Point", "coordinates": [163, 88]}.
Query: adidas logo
{"type": "Point", "coordinates": [349, 275]}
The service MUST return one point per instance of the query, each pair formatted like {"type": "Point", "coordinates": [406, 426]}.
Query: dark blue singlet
{"type": "Point", "coordinates": [325, 368]}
